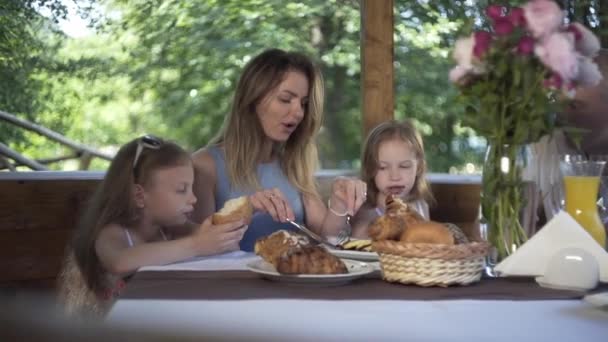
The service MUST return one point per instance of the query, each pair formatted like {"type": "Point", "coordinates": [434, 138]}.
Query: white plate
{"type": "Point", "coordinates": [356, 269]}
{"type": "Point", "coordinates": [355, 255]}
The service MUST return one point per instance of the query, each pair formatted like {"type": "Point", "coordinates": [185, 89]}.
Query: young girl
{"type": "Point", "coordinates": [392, 163]}
{"type": "Point", "coordinates": [127, 225]}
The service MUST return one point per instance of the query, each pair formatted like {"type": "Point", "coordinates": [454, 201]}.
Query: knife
{"type": "Point", "coordinates": [312, 234]}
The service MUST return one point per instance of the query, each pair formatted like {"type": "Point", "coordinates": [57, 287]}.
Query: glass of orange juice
{"type": "Point", "coordinates": [581, 186]}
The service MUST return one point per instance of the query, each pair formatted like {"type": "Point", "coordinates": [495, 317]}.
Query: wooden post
{"type": "Point", "coordinates": [377, 86]}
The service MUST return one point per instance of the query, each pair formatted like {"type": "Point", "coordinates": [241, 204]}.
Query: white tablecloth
{"type": "Point", "coordinates": [361, 320]}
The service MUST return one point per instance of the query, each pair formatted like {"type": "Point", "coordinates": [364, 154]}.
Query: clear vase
{"type": "Point", "coordinates": [509, 199]}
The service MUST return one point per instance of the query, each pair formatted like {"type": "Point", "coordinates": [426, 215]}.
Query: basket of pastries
{"type": "Point", "coordinates": [413, 250]}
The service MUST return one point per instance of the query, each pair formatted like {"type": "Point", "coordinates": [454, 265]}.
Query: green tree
{"type": "Point", "coordinates": [169, 67]}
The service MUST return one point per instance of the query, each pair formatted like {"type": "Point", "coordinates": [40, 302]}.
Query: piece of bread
{"type": "Point", "coordinates": [310, 260]}
{"type": "Point", "coordinates": [428, 232]}
{"type": "Point", "coordinates": [235, 209]}
{"type": "Point", "coordinates": [273, 246]}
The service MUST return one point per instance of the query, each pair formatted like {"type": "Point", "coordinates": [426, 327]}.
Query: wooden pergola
{"type": "Point", "coordinates": [34, 244]}
{"type": "Point", "coordinates": [377, 72]}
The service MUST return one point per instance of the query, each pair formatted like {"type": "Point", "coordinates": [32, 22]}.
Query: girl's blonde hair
{"type": "Point", "coordinates": [386, 131]}
{"type": "Point", "coordinates": [242, 135]}
{"type": "Point", "coordinates": [113, 202]}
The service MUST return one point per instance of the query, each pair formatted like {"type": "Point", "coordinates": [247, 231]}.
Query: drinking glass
{"type": "Point", "coordinates": [581, 186]}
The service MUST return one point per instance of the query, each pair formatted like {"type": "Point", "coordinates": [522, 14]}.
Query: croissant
{"type": "Point", "coordinates": [310, 260]}
{"type": "Point", "coordinates": [396, 207]}
{"type": "Point", "coordinates": [398, 217]}
{"type": "Point", "coordinates": [273, 246]}
{"type": "Point", "coordinates": [292, 253]}
{"type": "Point", "coordinates": [386, 228]}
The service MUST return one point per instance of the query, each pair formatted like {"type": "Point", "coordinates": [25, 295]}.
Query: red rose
{"type": "Point", "coordinates": [495, 11]}
{"type": "Point", "coordinates": [517, 17]}
{"type": "Point", "coordinates": [483, 41]}
{"type": "Point", "coordinates": [525, 45]}
{"type": "Point", "coordinates": [503, 27]}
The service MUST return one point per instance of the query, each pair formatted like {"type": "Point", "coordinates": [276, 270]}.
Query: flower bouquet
{"type": "Point", "coordinates": [512, 78]}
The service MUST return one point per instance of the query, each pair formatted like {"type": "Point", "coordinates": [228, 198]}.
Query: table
{"type": "Point", "coordinates": [185, 297]}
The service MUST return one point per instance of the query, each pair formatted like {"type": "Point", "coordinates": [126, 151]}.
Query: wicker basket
{"type": "Point", "coordinates": [431, 264]}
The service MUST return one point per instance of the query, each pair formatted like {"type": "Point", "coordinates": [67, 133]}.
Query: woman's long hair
{"type": "Point", "coordinates": [242, 135]}
{"type": "Point", "coordinates": [113, 202]}
{"type": "Point", "coordinates": [386, 131]}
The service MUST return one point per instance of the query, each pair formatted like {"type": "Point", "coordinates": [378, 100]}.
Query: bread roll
{"type": "Point", "coordinates": [235, 209]}
{"type": "Point", "coordinates": [427, 232]}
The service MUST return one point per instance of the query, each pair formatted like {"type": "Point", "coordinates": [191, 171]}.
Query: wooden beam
{"type": "Point", "coordinates": [10, 118]}
{"type": "Point", "coordinates": [5, 150]}
{"type": "Point", "coordinates": [377, 74]}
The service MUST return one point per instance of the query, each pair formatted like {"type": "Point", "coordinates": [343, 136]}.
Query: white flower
{"type": "Point", "coordinates": [466, 62]}
{"type": "Point", "coordinates": [543, 17]}
{"type": "Point", "coordinates": [585, 41]}
{"type": "Point", "coordinates": [463, 51]}
{"type": "Point", "coordinates": [589, 74]}
{"type": "Point", "coordinates": [557, 52]}
{"type": "Point", "coordinates": [458, 73]}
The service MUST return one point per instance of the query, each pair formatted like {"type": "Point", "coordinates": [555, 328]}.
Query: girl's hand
{"type": "Point", "coordinates": [273, 202]}
{"type": "Point", "coordinates": [347, 195]}
{"type": "Point", "coordinates": [221, 238]}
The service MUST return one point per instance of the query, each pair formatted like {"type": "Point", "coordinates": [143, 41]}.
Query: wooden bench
{"type": "Point", "coordinates": [38, 211]}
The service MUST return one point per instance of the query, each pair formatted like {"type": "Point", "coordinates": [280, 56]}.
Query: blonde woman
{"type": "Point", "coordinates": [266, 149]}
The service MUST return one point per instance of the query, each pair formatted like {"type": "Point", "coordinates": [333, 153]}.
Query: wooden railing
{"type": "Point", "coordinates": [81, 152]}
{"type": "Point", "coordinates": [39, 210]}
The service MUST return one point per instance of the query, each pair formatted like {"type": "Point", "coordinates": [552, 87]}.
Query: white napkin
{"type": "Point", "coordinates": [232, 261]}
{"type": "Point", "coordinates": [561, 231]}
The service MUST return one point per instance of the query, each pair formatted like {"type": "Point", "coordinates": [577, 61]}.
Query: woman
{"type": "Point", "coordinates": [266, 149]}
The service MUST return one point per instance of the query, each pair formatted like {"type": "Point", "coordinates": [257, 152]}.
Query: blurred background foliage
{"type": "Point", "coordinates": [169, 67]}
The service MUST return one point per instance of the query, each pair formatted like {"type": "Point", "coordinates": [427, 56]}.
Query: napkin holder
{"type": "Point", "coordinates": [531, 259]}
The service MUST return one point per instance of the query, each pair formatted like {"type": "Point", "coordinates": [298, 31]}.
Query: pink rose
{"type": "Point", "coordinates": [463, 51]}
{"type": "Point", "coordinates": [495, 12]}
{"type": "Point", "coordinates": [543, 17]}
{"type": "Point", "coordinates": [525, 46]}
{"type": "Point", "coordinates": [466, 61]}
{"type": "Point", "coordinates": [555, 82]}
{"type": "Point", "coordinates": [589, 74]}
{"type": "Point", "coordinates": [482, 40]}
{"type": "Point", "coordinates": [585, 41]}
{"type": "Point", "coordinates": [458, 73]}
{"type": "Point", "coordinates": [503, 27]}
{"type": "Point", "coordinates": [556, 52]}
{"type": "Point", "coordinates": [517, 17]}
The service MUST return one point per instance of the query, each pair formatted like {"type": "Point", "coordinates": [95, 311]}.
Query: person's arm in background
{"type": "Point", "coordinates": [589, 111]}
{"type": "Point", "coordinates": [347, 196]}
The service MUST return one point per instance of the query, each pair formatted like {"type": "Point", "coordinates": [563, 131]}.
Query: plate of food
{"type": "Point", "coordinates": [356, 249]}
{"type": "Point", "coordinates": [291, 257]}
{"type": "Point", "coordinates": [354, 270]}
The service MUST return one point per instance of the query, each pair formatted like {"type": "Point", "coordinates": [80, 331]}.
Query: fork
{"type": "Point", "coordinates": [344, 234]}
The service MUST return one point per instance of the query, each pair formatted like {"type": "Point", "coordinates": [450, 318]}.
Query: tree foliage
{"type": "Point", "coordinates": [169, 67]}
